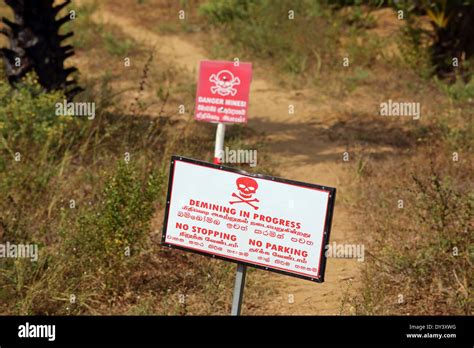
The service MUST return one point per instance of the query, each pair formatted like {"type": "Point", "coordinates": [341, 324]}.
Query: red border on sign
{"type": "Point", "coordinates": [249, 262]}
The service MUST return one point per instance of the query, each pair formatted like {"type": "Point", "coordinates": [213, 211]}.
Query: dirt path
{"type": "Point", "coordinates": [302, 151]}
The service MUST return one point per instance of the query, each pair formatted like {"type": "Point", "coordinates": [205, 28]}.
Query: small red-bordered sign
{"type": "Point", "coordinates": [223, 91]}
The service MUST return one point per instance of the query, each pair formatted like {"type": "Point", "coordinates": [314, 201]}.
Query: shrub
{"type": "Point", "coordinates": [451, 35]}
{"type": "Point", "coordinates": [115, 228]}
{"type": "Point", "coordinates": [29, 115]}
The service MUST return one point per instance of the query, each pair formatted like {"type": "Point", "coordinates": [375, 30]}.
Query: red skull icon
{"type": "Point", "coordinates": [247, 187]}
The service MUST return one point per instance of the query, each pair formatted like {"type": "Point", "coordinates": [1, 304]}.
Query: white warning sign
{"type": "Point", "coordinates": [266, 222]}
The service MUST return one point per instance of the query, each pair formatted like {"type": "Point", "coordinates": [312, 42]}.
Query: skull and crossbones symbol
{"type": "Point", "coordinates": [224, 82]}
{"type": "Point", "coordinates": [247, 187]}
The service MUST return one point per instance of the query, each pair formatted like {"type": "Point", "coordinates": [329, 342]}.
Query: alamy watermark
{"type": "Point", "coordinates": [19, 251]}
{"type": "Point", "coordinates": [28, 330]}
{"type": "Point", "coordinates": [345, 251]}
{"type": "Point", "coordinates": [83, 109]}
{"type": "Point", "coordinates": [239, 156]}
{"type": "Point", "coordinates": [393, 108]}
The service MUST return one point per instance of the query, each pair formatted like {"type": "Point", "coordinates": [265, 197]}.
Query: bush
{"type": "Point", "coordinates": [115, 228]}
{"type": "Point", "coordinates": [29, 115]}
{"type": "Point", "coordinates": [451, 35]}
{"type": "Point", "coordinates": [459, 90]}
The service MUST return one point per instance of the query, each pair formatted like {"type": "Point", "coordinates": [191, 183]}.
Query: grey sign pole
{"type": "Point", "coordinates": [238, 289]}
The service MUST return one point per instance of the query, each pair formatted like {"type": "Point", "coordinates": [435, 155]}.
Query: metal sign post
{"type": "Point", "coordinates": [219, 146]}
{"type": "Point", "coordinates": [241, 268]}
{"type": "Point", "coordinates": [238, 289]}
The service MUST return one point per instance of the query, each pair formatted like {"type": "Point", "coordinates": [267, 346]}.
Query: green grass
{"type": "Point", "coordinates": [459, 91]}
{"type": "Point", "coordinates": [86, 31]}
{"type": "Point", "coordinates": [263, 30]}
{"type": "Point", "coordinates": [116, 46]}
{"type": "Point", "coordinates": [356, 78]}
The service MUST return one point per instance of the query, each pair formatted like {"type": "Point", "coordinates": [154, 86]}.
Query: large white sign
{"type": "Point", "coordinates": [266, 222]}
